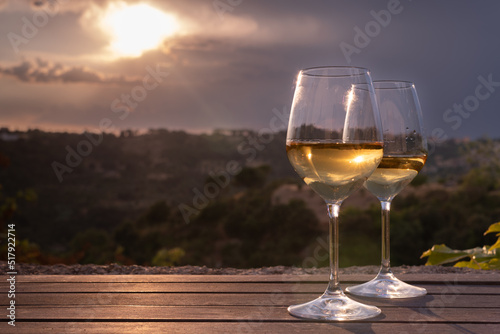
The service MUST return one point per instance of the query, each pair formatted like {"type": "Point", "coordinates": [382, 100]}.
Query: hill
{"type": "Point", "coordinates": [229, 198]}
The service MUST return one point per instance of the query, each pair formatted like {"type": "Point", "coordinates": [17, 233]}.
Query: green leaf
{"type": "Point", "coordinates": [494, 263]}
{"type": "Point", "coordinates": [485, 254]}
{"type": "Point", "coordinates": [493, 228]}
{"type": "Point", "coordinates": [473, 264]}
{"type": "Point", "coordinates": [496, 245]}
{"type": "Point", "coordinates": [441, 254]}
{"type": "Point", "coordinates": [467, 264]}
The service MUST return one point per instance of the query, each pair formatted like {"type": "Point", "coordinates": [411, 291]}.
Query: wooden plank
{"type": "Point", "coordinates": [190, 299]}
{"type": "Point", "coordinates": [410, 278]}
{"type": "Point", "coordinates": [245, 313]}
{"type": "Point", "coordinates": [210, 327]}
{"type": "Point", "coordinates": [238, 304]}
{"type": "Point", "coordinates": [256, 327]}
{"type": "Point", "coordinates": [318, 288]}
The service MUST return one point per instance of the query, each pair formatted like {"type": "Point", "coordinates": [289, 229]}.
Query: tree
{"type": "Point", "coordinates": [253, 177]}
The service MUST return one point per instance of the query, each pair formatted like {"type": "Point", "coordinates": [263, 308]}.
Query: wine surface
{"type": "Point", "coordinates": [332, 169]}
{"type": "Point", "coordinates": [393, 174]}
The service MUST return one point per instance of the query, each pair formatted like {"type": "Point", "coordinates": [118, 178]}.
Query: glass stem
{"type": "Point", "coordinates": [386, 236]}
{"type": "Point", "coordinates": [333, 213]}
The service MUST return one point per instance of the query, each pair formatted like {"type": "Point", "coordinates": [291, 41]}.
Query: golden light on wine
{"type": "Point", "coordinates": [332, 169]}
{"type": "Point", "coordinates": [359, 159]}
{"type": "Point", "coordinates": [136, 28]}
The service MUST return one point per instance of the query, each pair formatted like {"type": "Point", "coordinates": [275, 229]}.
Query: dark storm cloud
{"type": "Point", "coordinates": [41, 71]}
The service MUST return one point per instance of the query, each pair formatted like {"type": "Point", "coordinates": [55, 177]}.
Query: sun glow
{"type": "Point", "coordinates": [136, 28]}
{"type": "Point", "coordinates": [359, 159]}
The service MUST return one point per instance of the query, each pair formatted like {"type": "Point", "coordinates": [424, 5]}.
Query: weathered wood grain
{"type": "Point", "coordinates": [410, 278]}
{"type": "Point", "coordinates": [235, 328]}
{"type": "Point", "coordinates": [236, 287]}
{"type": "Point", "coordinates": [239, 304]}
{"type": "Point", "coordinates": [236, 299]}
{"type": "Point", "coordinates": [244, 313]}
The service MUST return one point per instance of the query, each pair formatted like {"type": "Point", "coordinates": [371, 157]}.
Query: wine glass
{"type": "Point", "coordinates": [334, 142]}
{"type": "Point", "coordinates": [405, 153]}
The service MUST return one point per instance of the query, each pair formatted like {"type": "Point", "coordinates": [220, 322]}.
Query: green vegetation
{"type": "Point", "coordinates": [9, 206]}
{"type": "Point", "coordinates": [480, 188]}
{"type": "Point", "coordinates": [486, 257]}
{"type": "Point", "coordinates": [121, 203]}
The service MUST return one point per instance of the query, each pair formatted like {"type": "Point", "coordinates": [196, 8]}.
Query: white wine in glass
{"type": "Point", "coordinates": [334, 142]}
{"type": "Point", "coordinates": [405, 153]}
{"type": "Point", "coordinates": [333, 169]}
{"type": "Point", "coordinates": [393, 174]}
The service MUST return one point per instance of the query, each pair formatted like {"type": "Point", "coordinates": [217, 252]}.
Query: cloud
{"type": "Point", "coordinates": [41, 71]}
{"type": "Point", "coordinates": [55, 5]}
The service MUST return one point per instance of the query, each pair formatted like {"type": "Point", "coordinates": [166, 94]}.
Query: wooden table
{"type": "Point", "coordinates": [239, 304]}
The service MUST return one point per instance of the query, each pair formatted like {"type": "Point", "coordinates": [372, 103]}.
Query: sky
{"type": "Point", "coordinates": [199, 65]}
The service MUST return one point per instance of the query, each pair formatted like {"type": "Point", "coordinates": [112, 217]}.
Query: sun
{"type": "Point", "coordinates": [134, 29]}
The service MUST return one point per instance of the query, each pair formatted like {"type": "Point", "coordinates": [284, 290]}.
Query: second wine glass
{"type": "Point", "coordinates": [405, 153]}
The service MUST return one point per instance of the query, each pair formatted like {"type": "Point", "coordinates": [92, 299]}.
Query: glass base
{"type": "Point", "coordinates": [334, 307]}
{"type": "Point", "coordinates": [386, 285]}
